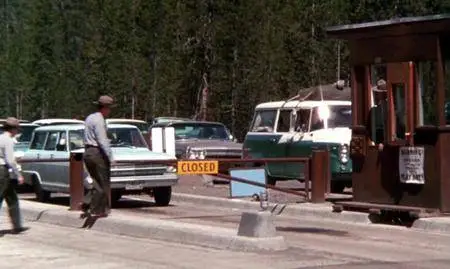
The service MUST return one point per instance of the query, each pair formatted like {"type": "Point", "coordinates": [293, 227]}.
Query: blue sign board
{"type": "Point", "coordinates": [238, 189]}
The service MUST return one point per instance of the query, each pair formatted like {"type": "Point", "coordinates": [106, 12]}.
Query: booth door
{"type": "Point", "coordinates": [376, 175]}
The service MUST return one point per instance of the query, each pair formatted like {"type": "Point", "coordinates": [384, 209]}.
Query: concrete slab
{"type": "Point", "coordinates": [156, 229]}
{"type": "Point", "coordinates": [321, 211]}
{"type": "Point", "coordinates": [257, 224]}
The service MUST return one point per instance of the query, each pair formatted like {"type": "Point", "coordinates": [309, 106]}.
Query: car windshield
{"type": "Point", "coordinates": [126, 137]}
{"type": "Point", "coordinates": [201, 131]}
{"type": "Point", "coordinates": [25, 134]}
{"type": "Point", "coordinates": [339, 116]}
{"type": "Point", "coordinates": [119, 137]}
{"type": "Point", "coordinates": [264, 121]}
{"type": "Point", "coordinates": [142, 126]}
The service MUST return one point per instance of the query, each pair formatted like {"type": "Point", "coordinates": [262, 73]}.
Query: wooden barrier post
{"type": "Point", "coordinates": [319, 171]}
{"type": "Point", "coordinates": [76, 180]}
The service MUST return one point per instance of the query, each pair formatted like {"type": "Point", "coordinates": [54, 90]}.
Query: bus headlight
{"type": "Point", "coordinates": [344, 153]}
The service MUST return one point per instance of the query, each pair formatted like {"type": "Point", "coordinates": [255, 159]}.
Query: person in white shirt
{"type": "Point", "coordinates": [9, 182]}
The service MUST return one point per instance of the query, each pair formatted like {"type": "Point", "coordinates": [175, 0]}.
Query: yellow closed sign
{"type": "Point", "coordinates": [197, 167]}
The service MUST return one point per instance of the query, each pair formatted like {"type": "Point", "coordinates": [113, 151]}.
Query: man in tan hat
{"type": "Point", "coordinates": [98, 158]}
{"type": "Point", "coordinates": [378, 116]}
{"type": "Point", "coordinates": [8, 182]}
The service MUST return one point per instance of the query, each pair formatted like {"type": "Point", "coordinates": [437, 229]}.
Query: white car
{"type": "Point", "coordinates": [127, 143]}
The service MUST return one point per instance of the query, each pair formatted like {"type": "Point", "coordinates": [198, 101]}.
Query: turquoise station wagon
{"type": "Point", "coordinates": [294, 129]}
{"type": "Point", "coordinates": [127, 143]}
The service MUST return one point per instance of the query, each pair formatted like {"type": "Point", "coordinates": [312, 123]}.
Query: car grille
{"type": "Point", "coordinates": [138, 170]}
{"type": "Point", "coordinates": [223, 154]}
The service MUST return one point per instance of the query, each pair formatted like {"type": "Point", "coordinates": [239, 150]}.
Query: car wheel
{"type": "Point", "coordinates": [115, 196]}
{"type": "Point", "coordinates": [41, 194]}
{"type": "Point", "coordinates": [162, 195]}
{"type": "Point", "coordinates": [337, 187]}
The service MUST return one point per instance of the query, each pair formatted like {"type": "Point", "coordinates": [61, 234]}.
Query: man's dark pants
{"type": "Point", "coordinates": [8, 192]}
{"type": "Point", "coordinates": [98, 167]}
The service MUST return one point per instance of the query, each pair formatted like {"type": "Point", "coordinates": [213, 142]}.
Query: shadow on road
{"type": "Point", "coordinates": [312, 230]}
{"type": "Point", "coordinates": [123, 203]}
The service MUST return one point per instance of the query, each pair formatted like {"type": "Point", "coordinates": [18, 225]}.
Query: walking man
{"type": "Point", "coordinates": [98, 158]}
{"type": "Point", "coordinates": [9, 182]}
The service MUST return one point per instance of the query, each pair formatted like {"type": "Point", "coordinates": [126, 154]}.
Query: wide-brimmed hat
{"type": "Point", "coordinates": [105, 100]}
{"type": "Point", "coordinates": [381, 86]}
{"type": "Point", "coordinates": [12, 122]}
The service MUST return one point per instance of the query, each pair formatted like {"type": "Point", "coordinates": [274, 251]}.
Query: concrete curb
{"type": "Point", "coordinates": [320, 211]}
{"type": "Point", "coordinates": [438, 224]}
{"type": "Point", "coordinates": [155, 229]}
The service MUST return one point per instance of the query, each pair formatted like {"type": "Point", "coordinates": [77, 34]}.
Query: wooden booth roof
{"type": "Point", "coordinates": [394, 27]}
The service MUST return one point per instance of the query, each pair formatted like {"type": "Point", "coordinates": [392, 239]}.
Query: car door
{"type": "Point", "coordinates": [301, 143]}
{"type": "Point", "coordinates": [61, 169]}
{"type": "Point", "coordinates": [49, 170]}
{"type": "Point", "coordinates": [279, 142]}
{"type": "Point", "coordinates": [267, 138]}
{"type": "Point", "coordinates": [36, 152]}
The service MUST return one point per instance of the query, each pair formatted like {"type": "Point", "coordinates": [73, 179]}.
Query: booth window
{"type": "Point", "coordinates": [399, 117]}
{"type": "Point", "coordinates": [426, 85]}
{"type": "Point", "coordinates": [447, 91]}
{"type": "Point", "coordinates": [377, 118]}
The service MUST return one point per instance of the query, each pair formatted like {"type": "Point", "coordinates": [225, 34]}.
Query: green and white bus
{"type": "Point", "coordinates": [294, 129]}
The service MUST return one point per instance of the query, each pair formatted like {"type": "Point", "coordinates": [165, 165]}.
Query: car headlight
{"type": "Point", "coordinates": [171, 169]}
{"type": "Point", "coordinates": [195, 153]}
{"type": "Point", "coordinates": [344, 153]}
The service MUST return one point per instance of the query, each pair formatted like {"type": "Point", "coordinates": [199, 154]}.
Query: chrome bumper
{"type": "Point", "coordinates": [138, 182]}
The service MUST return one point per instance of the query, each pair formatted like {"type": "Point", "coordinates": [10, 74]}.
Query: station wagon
{"type": "Point", "coordinates": [45, 122]}
{"type": "Point", "coordinates": [294, 129]}
{"type": "Point", "coordinates": [127, 143]}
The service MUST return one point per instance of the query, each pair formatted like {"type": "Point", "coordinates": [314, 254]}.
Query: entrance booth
{"type": "Point", "coordinates": [410, 171]}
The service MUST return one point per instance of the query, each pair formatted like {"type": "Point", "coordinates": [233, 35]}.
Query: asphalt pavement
{"type": "Point", "coordinates": [313, 243]}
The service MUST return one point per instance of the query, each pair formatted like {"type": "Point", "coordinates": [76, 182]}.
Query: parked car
{"type": "Point", "coordinates": [168, 119]}
{"type": "Point", "coordinates": [57, 141]}
{"type": "Point", "coordinates": [2, 121]}
{"type": "Point", "coordinates": [140, 124]}
{"type": "Point", "coordinates": [198, 139]}
{"type": "Point", "coordinates": [23, 138]}
{"type": "Point", "coordinates": [294, 129]}
{"type": "Point", "coordinates": [44, 122]}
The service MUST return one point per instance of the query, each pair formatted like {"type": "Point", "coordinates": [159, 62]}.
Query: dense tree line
{"type": "Point", "coordinates": [155, 57]}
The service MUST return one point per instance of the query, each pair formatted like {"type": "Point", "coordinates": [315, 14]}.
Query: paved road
{"type": "Point", "coordinates": [313, 242]}
{"type": "Point", "coordinates": [46, 246]}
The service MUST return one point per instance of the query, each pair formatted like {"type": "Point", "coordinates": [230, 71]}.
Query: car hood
{"type": "Point", "coordinates": [209, 144]}
{"type": "Point", "coordinates": [134, 154]}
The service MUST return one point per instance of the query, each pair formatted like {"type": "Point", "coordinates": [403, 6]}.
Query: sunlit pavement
{"type": "Point", "coordinates": [313, 243]}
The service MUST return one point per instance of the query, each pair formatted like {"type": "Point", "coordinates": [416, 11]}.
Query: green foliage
{"type": "Point", "coordinates": [59, 55]}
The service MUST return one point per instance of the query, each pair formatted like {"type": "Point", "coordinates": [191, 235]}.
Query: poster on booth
{"type": "Point", "coordinates": [411, 162]}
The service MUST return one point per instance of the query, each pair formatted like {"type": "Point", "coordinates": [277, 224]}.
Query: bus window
{"type": "Point", "coordinates": [284, 121]}
{"type": "Point", "coordinates": [264, 121]}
